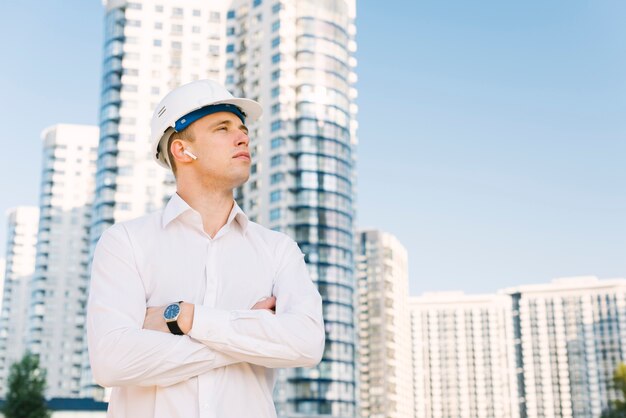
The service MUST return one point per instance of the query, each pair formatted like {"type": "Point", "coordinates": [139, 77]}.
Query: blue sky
{"type": "Point", "coordinates": [492, 134]}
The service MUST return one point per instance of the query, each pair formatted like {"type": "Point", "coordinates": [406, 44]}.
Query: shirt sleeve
{"type": "Point", "coordinates": [293, 337]}
{"type": "Point", "coordinates": [121, 352]}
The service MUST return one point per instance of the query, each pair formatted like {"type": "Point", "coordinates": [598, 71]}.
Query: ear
{"type": "Point", "coordinates": [178, 147]}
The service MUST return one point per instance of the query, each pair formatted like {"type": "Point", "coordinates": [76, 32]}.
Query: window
{"type": "Point", "coordinates": [230, 63]}
{"type": "Point", "coordinates": [275, 91]}
{"type": "Point", "coordinates": [177, 45]}
{"type": "Point", "coordinates": [275, 75]}
{"type": "Point", "coordinates": [276, 196]}
{"type": "Point", "coordinates": [230, 14]}
{"type": "Point", "coordinates": [158, 9]}
{"type": "Point", "coordinates": [195, 12]}
{"type": "Point", "coordinates": [275, 214]}
{"type": "Point", "coordinates": [276, 125]}
{"type": "Point", "coordinates": [253, 169]}
{"type": "Point", "coordinates": [230, 48]}
{"type": "Point", "coordinates": [230, 31]}
{"type": "Point", "coordinates": [275, 108]}
{"type": "Point", "coordinates": [275, 42]}
{"type": "Point", "coordinates": [214, 49]}
{"type": "Point", "coordinates": [256, 3]}
{"type": "Point", "coordinates": [276, 8]}
{"type": "Point", "coordinates": [158, 25]}
{"type": "Point", "coordinates": [195, 29]}
{"type": "Point", "coordinates": [177, 11]}
{"type": "Point", "coordinates": [156, 42]}
{"type": "Point", "coordinates": [135, 6]}
{"type": "Point", "coordinates": [155, 90]}
{"type": "Point", "coordinates": [133, 23]}
{"type": "Point", "coordinates": [230, 79]}
{"type": "Point", "coordinates": [177, 28]}
{"type": "Point", "coordinates": [277, 178]}
{"type": "Point", "coordinates": [277, 142]}
{"type": "Point", "coordinates": [275, 58]}
{"type": "Point", "coordinates": [275, 26]}
{"type": "Point", "coordinates": [214, 16]}
{"type": "Point", "coordinates": [276, 160]}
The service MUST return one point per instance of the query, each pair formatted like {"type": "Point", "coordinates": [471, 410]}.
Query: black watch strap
{"type": "Point", "coordinates": [174, 328]}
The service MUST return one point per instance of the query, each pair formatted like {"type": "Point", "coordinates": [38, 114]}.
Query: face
{"type": "Point", "coordinates": [221, 145]}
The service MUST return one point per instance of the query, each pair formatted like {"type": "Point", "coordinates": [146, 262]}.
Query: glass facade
{"type": "Point", "coordinates": [321, 152]}
{"type": "Point", "coordinates": [304, 147]}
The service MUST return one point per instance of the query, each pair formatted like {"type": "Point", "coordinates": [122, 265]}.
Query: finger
{"type": "Point", "coordinates": [266, 303]}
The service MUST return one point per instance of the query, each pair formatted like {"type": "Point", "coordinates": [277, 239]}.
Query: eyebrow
{"type": "Point", "coordinates": [229, 122]}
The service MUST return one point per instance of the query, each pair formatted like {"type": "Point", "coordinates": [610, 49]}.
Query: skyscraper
{"type": "Point", "coordinates": [20, 266]}
{"type": "Point", "coordinates": [150, 47]}
{"type": "Point", "coordinates": [297, 59]}
{"type": "Point", "coordinates": [385, 345]}
{"type": "Point", "coordinates": [58, 289]}
{"type": "Point", "coordinates": [572, 336]}
{"type": "Point", "coordinates": [463, 356]}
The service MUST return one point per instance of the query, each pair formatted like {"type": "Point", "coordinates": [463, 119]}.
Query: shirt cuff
{"type": "Point", "coordinates": [210, 324]}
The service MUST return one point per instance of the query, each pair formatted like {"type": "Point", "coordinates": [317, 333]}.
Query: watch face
{"type": "Point", "coordinates": [171, 311]}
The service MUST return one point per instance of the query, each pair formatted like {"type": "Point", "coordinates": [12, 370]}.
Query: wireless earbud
{"type": "Point", "coordinates": [189, 153]}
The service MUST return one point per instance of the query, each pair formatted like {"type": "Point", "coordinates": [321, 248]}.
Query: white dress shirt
{"type": "Point", "coordinates": [224, 367]}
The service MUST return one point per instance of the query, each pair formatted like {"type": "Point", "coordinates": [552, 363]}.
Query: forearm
{"type": "Point", "coordinates": [260, 337]}
{"type": "Point", "coordinates": [130, 356]}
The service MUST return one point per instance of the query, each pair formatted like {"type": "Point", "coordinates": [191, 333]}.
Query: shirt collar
{"type": "Point", "coordinates": [177, 206]}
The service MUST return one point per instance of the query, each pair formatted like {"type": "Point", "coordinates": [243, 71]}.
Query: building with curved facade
{"type": "Point", "coordinates": [297, 59]}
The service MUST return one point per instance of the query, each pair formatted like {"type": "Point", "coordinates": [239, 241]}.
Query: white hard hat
{"type": "Point", "coordinates": [186, 99]}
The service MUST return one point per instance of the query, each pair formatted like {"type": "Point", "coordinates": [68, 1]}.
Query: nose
{"type": "Point", "coordinates": [242, 139]}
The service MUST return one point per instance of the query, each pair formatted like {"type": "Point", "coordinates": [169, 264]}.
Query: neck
{"type": "Point", "coordinates": [213, 205]}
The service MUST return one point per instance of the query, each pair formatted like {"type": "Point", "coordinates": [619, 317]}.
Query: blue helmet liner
{"type": "Point", "coordinates": [191, 117]}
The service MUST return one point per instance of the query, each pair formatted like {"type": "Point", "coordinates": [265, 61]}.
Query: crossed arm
{"type": "Point", "coordinates": [129, 343]}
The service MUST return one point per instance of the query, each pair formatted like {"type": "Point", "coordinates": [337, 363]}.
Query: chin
{"type": "Point", "coordinates": [241, 180]}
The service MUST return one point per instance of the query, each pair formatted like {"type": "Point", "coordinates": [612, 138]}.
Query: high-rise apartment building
{"type": "Point", "coordinates": [463, 356]}
{"type": "Point", "coordinates": [3, 265]}
{"type": "Point", "coordinates": [385, 346]}
{"type": "Point", "coordinates": [58, 289]}
{"type": "Point", "coordinates": [571, 336]}
{"type": "Point", "coordinates": [297, 59]}
{"type": "Point", "coordinates": [150, 47]}
{"type": "Point", "coordinates": [20, 265]}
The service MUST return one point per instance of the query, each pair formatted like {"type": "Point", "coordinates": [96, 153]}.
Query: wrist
{"type": "Point", "coordinates": [185, 319]}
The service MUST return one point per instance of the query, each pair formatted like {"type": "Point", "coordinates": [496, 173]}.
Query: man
{"type": "Point", "coordinates": [192, 307]}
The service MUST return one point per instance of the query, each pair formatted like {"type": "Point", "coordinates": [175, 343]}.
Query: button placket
{"type": "Point", "coordinates": [210, 294]}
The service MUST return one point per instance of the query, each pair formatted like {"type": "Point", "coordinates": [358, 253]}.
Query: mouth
{"type": "Point", "coordinates": [242, 156]}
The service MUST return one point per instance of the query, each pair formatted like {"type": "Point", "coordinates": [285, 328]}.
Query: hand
{"type": "Point", "coordinates": [154, 318]}
{"type": "Point", "coordinates": [266, 303]}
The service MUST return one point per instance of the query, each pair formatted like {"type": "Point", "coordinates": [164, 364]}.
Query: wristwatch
{"type": "Point", "coordinates": [171, 313]}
